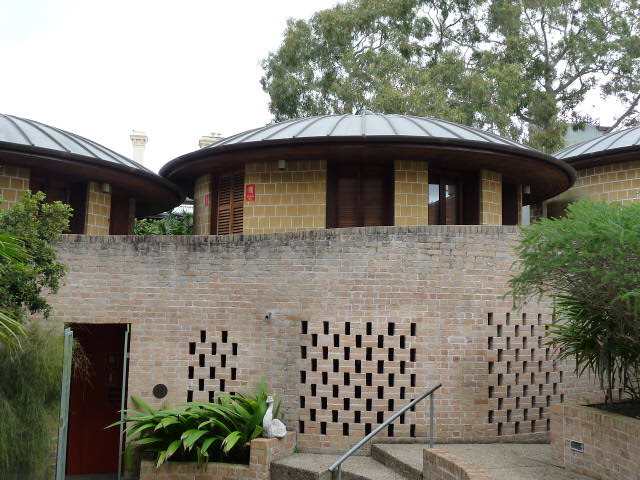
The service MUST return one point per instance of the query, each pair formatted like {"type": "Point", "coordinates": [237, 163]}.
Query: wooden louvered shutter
{"type": "Point", "coordinates": [230, 203]}
{"type": "Point", "coordinates": [360, 195]}
{"type": "Point", "coordinates": [373, 195]}
{"type": "Point", "coordinates": [237, 208]}
{"type": "Point", "coordinates": [348, 197]}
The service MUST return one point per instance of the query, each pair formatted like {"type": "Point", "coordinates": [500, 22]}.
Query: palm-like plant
{"type": "Point", "coordinates": [201, 431]}
{"type": "Point", "coordinates": [11, 330]}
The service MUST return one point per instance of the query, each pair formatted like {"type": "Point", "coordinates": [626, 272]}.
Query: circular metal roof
{"type": "Point", "coordinates": [370, 136]}
{"type": "Point", "coordinates": [56, 152]}
{"type": "Point", "coordinates": [29, 132]}
{"type": "Point", "coordinates": [602, 150]}
{"type": "Point", "coordinates": [366, 124]}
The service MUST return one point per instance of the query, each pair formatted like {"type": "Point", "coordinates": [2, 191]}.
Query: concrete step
{"type": "Point", "coordinates": [308, 466]}
{"type": "Point", "coordinates": [403, 459]}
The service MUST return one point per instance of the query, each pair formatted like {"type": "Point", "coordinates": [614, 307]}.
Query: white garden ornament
{"type": "Point", "coordinates": [272, 427]}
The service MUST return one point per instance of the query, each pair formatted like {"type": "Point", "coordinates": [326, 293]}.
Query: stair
{"type": "Point", "coordinates": [387, 462]}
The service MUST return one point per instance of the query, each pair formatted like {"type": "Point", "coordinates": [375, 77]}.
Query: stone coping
{"type": "Point", "coordinates": [324, 234]}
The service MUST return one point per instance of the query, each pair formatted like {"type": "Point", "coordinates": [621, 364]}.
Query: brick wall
{"type": "Point", "coordinates": [362, 319]}
{"type": "Point", "coordinates": [411, 191]}
{"type": "Point", "coordinates": [286, 200]}
{"type": "Point", "coordinates": [262, 452]}
{"type": "Point", "coordinates": [14, 181]}
{"type": "Point", "coordinates": [202, 201]}
{"type": "Point", "coordinates": [611, 442]}
{"type": "Point", "coordinates": [98, 210]}
{"type": "Point", "coordinates": [438, 464]}
{"type": "Point", "coordinates": [490, 198]}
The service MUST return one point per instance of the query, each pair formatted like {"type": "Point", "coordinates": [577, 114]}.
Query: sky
{"type": "Point", "coordinates": [176, 70]}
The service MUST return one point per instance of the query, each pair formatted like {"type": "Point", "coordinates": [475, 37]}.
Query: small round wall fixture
{"type": "Point", "coordinates": [160, 390]}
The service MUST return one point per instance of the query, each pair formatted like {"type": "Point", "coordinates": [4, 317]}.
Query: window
{"type": "Point", "coordinates": [454, 198]}
{"type": "Point", "coordinates": [74, 194]}
{"type": "Point", "coordinates": [359, 195]}
{"type": "Point", "coordinates": [227, 211]}
{"type": "Point", "coordinates": [510, 204]}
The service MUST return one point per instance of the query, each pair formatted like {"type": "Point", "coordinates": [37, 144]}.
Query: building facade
{"type": "Point", "coordinates": [608, 169]}
{"type": "Point", "coordinates": [339, 171]}
{"type": "Point", "coordinates": [106, 190]}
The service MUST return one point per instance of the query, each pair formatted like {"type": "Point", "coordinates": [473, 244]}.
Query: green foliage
{"type": "Point", "coordinates": [589, 263]}
{"type": "Point", "coordinates": [38, 225]}
{"type": "Point", "coordinates": [519, 68]}
{"type": "Point", "coordinates": [172, 224]}
{"type": "Point", "coordinates": [12, 252]}
{"type": "Point", "coordinates": [29, 404]}
{"type": "Point", "coordinates": [200, 432]}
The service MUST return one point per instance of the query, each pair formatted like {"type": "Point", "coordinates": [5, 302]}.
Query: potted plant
{"type": "Point", "coordinates": [207, 437]}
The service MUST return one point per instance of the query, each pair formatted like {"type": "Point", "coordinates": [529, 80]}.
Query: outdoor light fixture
{"type": "Point", "coordinates": [267, 317]}
{"type": "Point", "coordinates": [282, 164]}
{"type": "Point", "coordinates": [105, 187]}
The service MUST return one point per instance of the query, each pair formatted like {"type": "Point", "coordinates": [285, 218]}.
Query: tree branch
{"type": "Point", "coordinates": [628, 112]}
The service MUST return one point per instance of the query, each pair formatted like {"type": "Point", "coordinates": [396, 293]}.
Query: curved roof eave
{"type": "Point", "coordinates": [154, 194]}
{"type": "Point", "coordinates": [603, 150]}
{"type": "Point", "coordinates": [182, 169]}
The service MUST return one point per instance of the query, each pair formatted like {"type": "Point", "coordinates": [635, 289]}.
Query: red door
{"type": "Point", "coordinates": [95, 401]}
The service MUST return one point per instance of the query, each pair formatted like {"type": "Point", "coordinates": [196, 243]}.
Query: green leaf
{"type": "Point", "coordinates": [173, 447]}
{"type": "Point", "coordinates": [230, 440]}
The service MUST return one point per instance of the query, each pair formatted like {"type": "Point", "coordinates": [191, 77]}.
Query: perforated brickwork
{"type": "Point", "coordinates": [213, 368]}
{"type": "Point", "coordinates": [355, 375]}
{"type": "Point", "coordinates": [524, 377]}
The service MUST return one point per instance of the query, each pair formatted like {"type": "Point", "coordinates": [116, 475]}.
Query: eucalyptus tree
{"type": "Point", "coordinates": [520, 68]}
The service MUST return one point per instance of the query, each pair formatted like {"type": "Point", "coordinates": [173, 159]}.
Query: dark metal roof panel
{"type": "Point", "coordinates": [611, 142]}
{"type": "Point", "coordinates": [23, 131]}
{"type": "Point", "coordinates": [366, 124]}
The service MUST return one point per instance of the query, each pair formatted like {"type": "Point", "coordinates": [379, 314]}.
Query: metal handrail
{"type": "Point", "coordinates": [357, 446]}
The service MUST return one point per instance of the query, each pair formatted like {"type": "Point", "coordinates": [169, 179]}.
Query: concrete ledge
{"type": "Point", "coordinates": [611, 442]}
{"type": "Point", "coordinates": [262, 452]}
{"type": "Point", "coordinates": [442, 465]}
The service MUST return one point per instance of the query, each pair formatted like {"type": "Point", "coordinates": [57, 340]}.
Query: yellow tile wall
{"type": "Point", "coordinates": [619, 182]}
{"type": "Point", "coordinates": [411, 193]}
{"type": "Point", "coordinates": [98, 210]}
{"type": "Point", "coordinates": [14, 181]}
{"type": "Point", "coordinates": [490, 198]}
{"type": "Point", "coordinates": [202, 207]}
{"type": "Point", "coordinates": [286, 200]}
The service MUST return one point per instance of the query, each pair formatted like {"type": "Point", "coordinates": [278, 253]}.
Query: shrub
{"type": "Point", "coordinates": [200, 432]}
{"type": "Point", "coordinates": [589, 264]}
{"type": "Point", "coordinates": [29, 403]}
{"type": "Point", "coordinates": [172, 224]}
{"type": "Point", "coordinates": [38, 224]}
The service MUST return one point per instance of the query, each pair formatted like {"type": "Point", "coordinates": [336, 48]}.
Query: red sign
{"type": "Point", "coordinates": [250, 192]}
{"type": "Point", "coordinates": [207, 199]}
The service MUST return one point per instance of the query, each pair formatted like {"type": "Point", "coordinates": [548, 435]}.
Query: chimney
{"type": "Point", "coordinates": [210, 139]}
{"type": "Point", "coordinates": [138, 140]}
